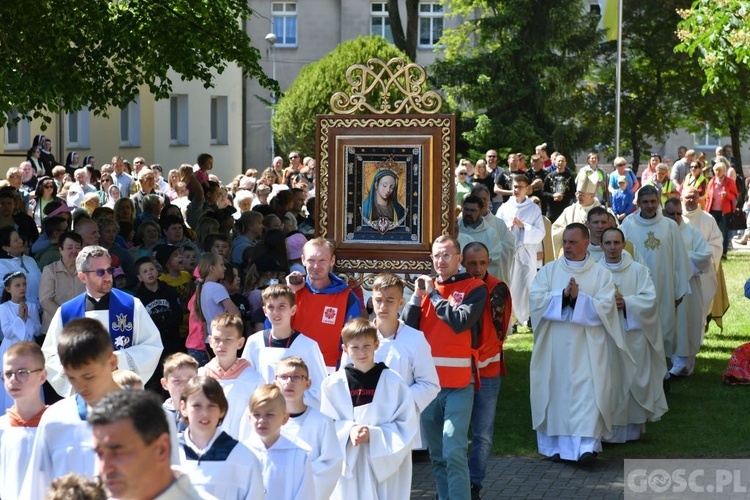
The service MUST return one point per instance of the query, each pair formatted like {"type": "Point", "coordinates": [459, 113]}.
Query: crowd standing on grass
{"type": "Point", "coordinates": [199, 326]}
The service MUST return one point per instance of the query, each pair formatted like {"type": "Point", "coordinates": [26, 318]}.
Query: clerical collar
{"type": "Point", "coordinates": [576, 263]}
{"type": "Point", "coordinates": [613, 265]}
{"type": "Point", "coordinates": [100, 304]}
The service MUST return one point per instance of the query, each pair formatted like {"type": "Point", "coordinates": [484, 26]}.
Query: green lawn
{"type": "Point", "coordinates": [705, 418]}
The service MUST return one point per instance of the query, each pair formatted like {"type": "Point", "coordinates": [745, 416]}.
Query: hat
{"type": "Point", "coordinates": [587, 183]}
{"type": "Point", "coordinates": [164, 252]}
{"type": "Point", "coordinates": [622, 179]}
{"type": "Point", "coordinates": [118, 272]}
{"type": "Point", "coordinates": [59, 210]}
{"type": "Point", "coordinates": [294, 244]}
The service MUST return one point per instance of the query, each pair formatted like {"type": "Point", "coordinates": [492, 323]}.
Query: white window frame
{"type": "Point", "coordinates": [130, 124]}
{"type": "Point", "coordinates": [283, 12]}
{"type": "Point", "coordinates": [83, 128]}
{"type": "Point", "coordinates": [702, 139]}
{"type": "Point", "coordinates": [178, 120]}
{"type": "Point", "coordinates": [219, 120]}
{"type": "Point", "coordinates": [435, 13]}
{"type": "Point", "coordinates": [22, 131]}
{"type": "Point", "coordinates": [379, 13]}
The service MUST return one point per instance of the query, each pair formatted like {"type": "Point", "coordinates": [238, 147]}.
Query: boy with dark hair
{"type": "Point", "coordinates": [376, 420]}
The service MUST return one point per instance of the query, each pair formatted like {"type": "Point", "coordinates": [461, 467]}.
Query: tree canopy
{"type": "Point", "coordinates": [310, 94]}
{"type": "Point", "coordinates": [67, 54]}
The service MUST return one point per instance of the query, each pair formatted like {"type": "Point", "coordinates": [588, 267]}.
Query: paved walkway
{"type": "Point", "coordinates": [524, 477]}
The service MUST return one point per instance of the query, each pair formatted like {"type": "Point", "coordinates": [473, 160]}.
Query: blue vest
{"type": "Point", "coordinates": [121, 316]}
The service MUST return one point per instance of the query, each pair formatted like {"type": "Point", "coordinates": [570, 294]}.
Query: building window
{"type": "Point", "coordinates": [178, 120]}
{"type": "Point", "coordinates": [77, 133]}
{"type": "Point", "coordinates": [380, 23]}
{"type": "Point", "coordinates": [285, 23]}
{"type": "Point", "coordinates": [430, 24]}
{"type": "Point", "coordinates": [707, 138]}
{"type": "Point", "coordinates": [17, 136]}
{"type": "Point", "coordinates": [219, 120]}
{"type": "Point", "coordinates": [130, 124]}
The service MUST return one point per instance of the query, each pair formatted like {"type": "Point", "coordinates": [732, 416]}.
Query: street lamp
{"type": "Point", "coordinates": [271, 39]}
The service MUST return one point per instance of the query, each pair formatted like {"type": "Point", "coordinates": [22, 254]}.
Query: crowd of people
{"type": "Point", "coordinates": [263, 374]}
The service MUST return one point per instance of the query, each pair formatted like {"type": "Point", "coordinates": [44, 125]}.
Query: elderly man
{"type": "Point", "coordinates": [693, 319]}
{"type": "Point", "coordinates": [692, 214]}
{"type": "Point", "coordinates": [659, 242]}
{"type": "Point", "coordinates": [473, 226]}
{"type": "Point", "coordinates": [577, 337]}
{"type": "Point", "coordinates": [663, 184]}
{"type": "Point", "coordinates": [89, 231]}
{"type": "Point", "coordinates": [135, 338]}
{"type": "Point", "coordinates": [585, 200]}
{"type": "Point", "coordinates": [147, 182]}
{"type": "Point", "coordinates": [639, 399]}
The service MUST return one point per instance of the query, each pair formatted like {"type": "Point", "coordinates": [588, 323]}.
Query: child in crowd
{"type": "Point", "coordinates": [235, 375]}
{"type": "Point", "coordinates": [62, 441]}
{"type": "Point", "coordinates": [75, 486]}
{"type": "Point", "coordinates": [23, 376]}
{"type": "Point", "coordinates": [189, 259]}
{"type": "Point", "coordinates": [622, 199]}
{"type": "Point", "coordinates": [216, 463]}
{"type": "Point", "coordinates": [231, 282]}
{"type": "Point", "coordinates": [19, 320]}
{"type": "Point", "coordinates": [218, 243]}
{"type": "Point", "coordinates": [402, 348]}
{"type": "Point", "coordinates": [130, 381]}
{"type": "Point", "coordinates": [287, 474]}
{"type": "Point", "coordinates": [211, 298]}
{"type": "Point", "coordinates": [178, 369]}
{"type": "Point", "coordinates": [376, 420]}
{"type": "Point", "coordinates": [170, 260]}
{"type": "Point", "coordinates": [264, 349]}
{"type": "Point", "coordinates": [308, 425]}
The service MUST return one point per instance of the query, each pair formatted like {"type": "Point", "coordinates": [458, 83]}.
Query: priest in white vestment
{"type": "Point", "coordinates": [635, 298]}
{"type": "Point", "coordinates": [658, 241]}
{"type": "Point", "coordinates": [576, 333]}
{"type": "Point", "coordinates": [524, 220]}
{"type": "Point", "coordinates": [577, 212]}
{"type": "Point", "coordinates": [472, 226]}
{"type": "Point", "coordinates": [694, 317]}
{"type": "Point", "coordinates": [505, 245]}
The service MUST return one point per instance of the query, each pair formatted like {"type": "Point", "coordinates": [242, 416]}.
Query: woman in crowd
{"type": "Point", "coordinates": [59, 282]}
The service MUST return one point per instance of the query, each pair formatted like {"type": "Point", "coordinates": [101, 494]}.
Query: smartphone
{"type": "Point", "coordinates": [296, 279]}
{"type": "Point", "coordinates": [421, 284]}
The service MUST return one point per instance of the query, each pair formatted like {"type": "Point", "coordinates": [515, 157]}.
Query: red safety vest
{"type": "Point", "coordinates": [491, 362]}
{"type": "Point", "coordinates": [321, 317]}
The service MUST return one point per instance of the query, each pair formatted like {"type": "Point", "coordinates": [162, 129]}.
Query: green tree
{"type": "Point", "coordinates": [716, 34]}
{"type": "Point", "coordinates": [310, 94]}
{"type": "Point", "coordinates": [405, 40]}
{"type": "Point", "coordinates": [658, 86]}
{"type": "Point", "coordinates": [67, 54]}
{"type": "Point", "coordinates": [513, 66]}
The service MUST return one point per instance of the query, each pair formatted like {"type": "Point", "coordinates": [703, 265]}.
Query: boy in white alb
{"type": "Point", "coordinates": [308, 425]}
{"type": "Point", "coordinates": [376, 420]}
{"type": "Point", "coordinates": [524, 219]}
{"type": "Point", "coordinates": [23, 374]}
{"type": "Point", "coordinates": [287, 473]}
{"type": "Point", "coordinates": [238, 379]}
{"type": "Point", "coordinates": [264, 349]}
{"type": "Point", "coordinates": [402, 348]}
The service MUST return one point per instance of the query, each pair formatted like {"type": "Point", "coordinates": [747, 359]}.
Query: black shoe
{"type": "Point", "coordinates": [556, 458]}
{"type": "Point", "coordinates": [667, 385]}
{"type": "Point", "coordinates": [587, 459]}
{"type": "Point", "coordinates": [475, 492]}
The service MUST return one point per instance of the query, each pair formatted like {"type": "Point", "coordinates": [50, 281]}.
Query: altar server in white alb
{"type": "Point", "coordinates": [402, 348]}
{"type": "Point", "coordinates": [216, 463]}
{"type": "Point", "coordinates": [635, 298]}
{"type": "Point", "coordinates": [524, 219]}
{"type": "Point", "coordinates": [308, 425]}
{"type": "Point", "coordinates": [376, 420]}
{"type": "Point", "coordinates": [235, 375]}
{"type": "Point", "coordinates": [135, 338]}
{"type": "Point", "coordinates": [693, 320]}
{"type": "Point", "coordinates": [576, 333]}
{"type": "Point", "coordinates": [23, 376]}
{"type": "Point", "coordinates": [266, 348]}
{"type": "Point", "coordinates": [287, 472]}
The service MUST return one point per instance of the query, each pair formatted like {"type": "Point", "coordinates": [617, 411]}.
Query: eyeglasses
{"type": "Point", "coordinates": [102, 272]}
{"type": "Point", "coordinates": [445, 257]}
{"type": "Point", "coordinates": [21, 375]}
{"type": "Point", "coordinates": [462, 173]}
{"type": "Point", "coordinates": [657, 155]}
{"type": "Point", "coordinates": [294, 378]}
{"type": "Point", "coordinates": [293, 157]}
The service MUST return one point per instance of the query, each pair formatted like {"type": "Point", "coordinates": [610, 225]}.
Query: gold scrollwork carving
{"type": "Point", "coordinates": [396, 84]}
{"type": "Point", "coordinates": [385, 265]}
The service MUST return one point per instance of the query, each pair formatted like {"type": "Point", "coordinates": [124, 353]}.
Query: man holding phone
{"type": "Point", "coordinates": [451, 311]}
{"type": "Point", "coordinates": [324, 301]}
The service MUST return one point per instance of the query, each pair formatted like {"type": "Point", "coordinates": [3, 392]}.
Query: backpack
{"type": "Point", "coordinates": [738, 369]}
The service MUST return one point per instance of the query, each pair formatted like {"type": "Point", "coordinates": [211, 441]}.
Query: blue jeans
{"type": "Point", "coordinates": [445, 422]}
{"type": "Point", "coordinates": [199, 355]}
{"type": "Point", "coordinates": [483, 427]}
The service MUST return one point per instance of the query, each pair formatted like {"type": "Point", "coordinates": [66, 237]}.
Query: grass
{"type": "Point", "coordinates": [705, 419]}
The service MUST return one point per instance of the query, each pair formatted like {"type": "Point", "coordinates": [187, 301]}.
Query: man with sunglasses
{"type": "Point", "coordinates": [293, 168]}
{"type": "Point", "coordinates": [134, 336]}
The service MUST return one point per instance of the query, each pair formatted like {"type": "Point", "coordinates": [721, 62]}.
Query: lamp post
{"type": "Point", "coordinates": [271, 40]}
